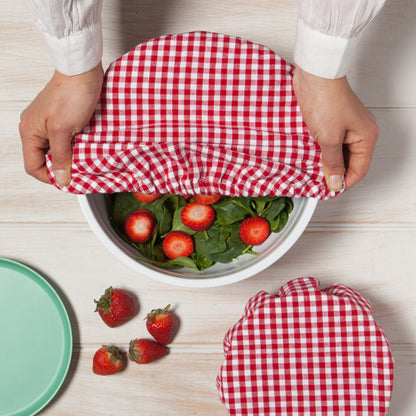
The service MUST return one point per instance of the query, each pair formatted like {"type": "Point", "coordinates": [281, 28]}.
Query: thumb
{"type": "Point", "coordinates": [61, 152]}
{"type": "Point", "coordinates": [333, 165]}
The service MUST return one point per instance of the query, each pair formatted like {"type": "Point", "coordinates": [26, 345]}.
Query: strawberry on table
{"type": "Point", "coordinates": [206, 199]}
{"type": "Point", "coordinates": [177, 244]}
{"type": "Point", "coordinates": [160, 323]}
{"type": "Point", "coordinates": [144, 351]}
{"type": "Point", "coordinates": [146, 198]}
{"type": "Point", "coordinates": [115, 307]}
{"type": "Point", "coordinates": [140, 226]}
{"type": "Point", "coordinates": [197, 217]}
{"type": "Point", "coordinates": [254, 230]}
{"type": "Point", "coordinates": [107, 360]}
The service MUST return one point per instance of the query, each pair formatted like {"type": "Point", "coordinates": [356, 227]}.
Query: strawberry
{"type": "Point", "coordinates": [115, 307]}
{"type": "Point", "coordinates": [140, 226]}
{"type": "Point", "coordinates": [177, 244]}
{"type": "Point", "coordinates": [197, 217]}
{"type": "Point", "coordinates": [160, 323]}
{"type": "Point", "coordinates": [146, 198]}
{"type": "Point", "coordinates": [107, 360]}
{"type": "Point", "coordinates": [206, 199]}
{"type": "Point", "coordinates": [254, 230]}
{"type": "Point", "coordinates": [143, 351]}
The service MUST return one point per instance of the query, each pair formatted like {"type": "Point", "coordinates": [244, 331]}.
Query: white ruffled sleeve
{"type": "Point", "coordinates": [73, 32]}
{"type": "Point", "coordinates": [328, 31]}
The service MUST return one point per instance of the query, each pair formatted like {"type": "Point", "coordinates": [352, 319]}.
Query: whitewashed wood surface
{"type": "Point", "coordinates": [366, 238]}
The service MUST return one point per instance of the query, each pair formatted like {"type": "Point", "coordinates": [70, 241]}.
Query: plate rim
{"type": "Point", "coordinates": [55, 385]}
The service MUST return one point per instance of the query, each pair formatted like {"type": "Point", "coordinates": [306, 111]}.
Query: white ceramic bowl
{"type": "Point", "coordinates": [95, 210]}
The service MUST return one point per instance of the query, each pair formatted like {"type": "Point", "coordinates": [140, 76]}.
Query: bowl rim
{"type": "Point", "coordinates": [308, 209]}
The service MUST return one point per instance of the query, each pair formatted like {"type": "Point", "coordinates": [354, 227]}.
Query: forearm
{"type": "Point", "coordinates": [73, 32]}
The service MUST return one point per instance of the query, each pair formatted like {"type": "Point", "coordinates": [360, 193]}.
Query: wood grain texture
{"type": "Point", "coordinates": [182, 383]}
{"type": "Point", "coordinates": [365, 238]}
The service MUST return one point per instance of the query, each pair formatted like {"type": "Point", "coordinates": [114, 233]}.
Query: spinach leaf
{"type": "Point", "coordinates": [152, 249]}
{"type": "Point", "coordinates": [275, 209]}
{"type": "Point", "coordinates": [201, 261]}
{"type": "Point", "coordinates": [223, 244]}
{"type": "Point", "coordinates": [163, 209]}
{"type": "Point", "coordinates": [234, 247]}
{"type": "Point", "coordinates": [283, 217]}
{"type": "Point", "coordinates": [215, 243]}
{"type": "Point", "coordinates": [184, 262]}
{"type": "Point", "coordinates": [274, 224]}
{"type": "Point", "coordinates": [262, 204]}
{"type": "Point", "coordinates": [195, 261]}
{"type": "Point", "coordinates": [231, 210]}
{"type": "Point", "coordinates": [162, 264]}
{"type": "Point", "coordinates": [177, 263]}
{"type": "Point", "coordinates": [289, 205]}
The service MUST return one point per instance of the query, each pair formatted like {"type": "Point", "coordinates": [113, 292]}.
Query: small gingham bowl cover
{"type": "Point", "coordinates": [198, 113]}
{"type": "Point", "coordinates": [307, 352]}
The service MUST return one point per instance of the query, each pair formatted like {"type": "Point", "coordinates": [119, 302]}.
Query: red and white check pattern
{"type": "Point", "coordinates": [198, 113]}
{"type": "Point", "coordinates": [307, 352]}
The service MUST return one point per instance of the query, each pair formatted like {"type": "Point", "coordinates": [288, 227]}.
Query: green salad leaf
{"type": "Point", "coordinates": [231, 210]}
{"type": "Point", "coordinates": [212, 241]}
{"type": "Point", "coordinates": [201, 261]}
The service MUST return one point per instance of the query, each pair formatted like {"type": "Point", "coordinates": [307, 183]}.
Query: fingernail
{"type": "Point", "coordinates": [61, 177]}
{"type": "Point", "coordinates": [335, 182]}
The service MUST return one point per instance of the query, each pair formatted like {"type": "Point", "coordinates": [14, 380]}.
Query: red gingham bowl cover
{"type": "Point", "coordinates": [307, 352]}
{"type": "Point", "coordinates": [198, 113]}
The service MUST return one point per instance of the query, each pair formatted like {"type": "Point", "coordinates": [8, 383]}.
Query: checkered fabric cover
{"type": "Point", "coordinates": [198, 113]}
{"type": "Point", "coordinates": [307, 351]}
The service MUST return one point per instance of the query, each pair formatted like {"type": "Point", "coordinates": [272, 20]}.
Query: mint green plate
{"type": "Point", "coordinates": [35, 340]}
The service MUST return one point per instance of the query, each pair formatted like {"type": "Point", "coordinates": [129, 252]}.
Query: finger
{"type": "Point", "coordinates": [34, 159]}
{"type": "Point", "coordinates": [360, 148]}
{"type": "Point", "coordinates": [358, 166]}
{"type": "Point", "coordinates": [33, 149]}
{"type": "Point", "coordinates": [61, 152]}
{"type": "Point", "coordinates": [333, 165]}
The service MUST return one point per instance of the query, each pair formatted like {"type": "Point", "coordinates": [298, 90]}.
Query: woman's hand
{"type": "Point", "coordinates": [344, 129]}
{"type": "Point", "coordinates": [56, 115]}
